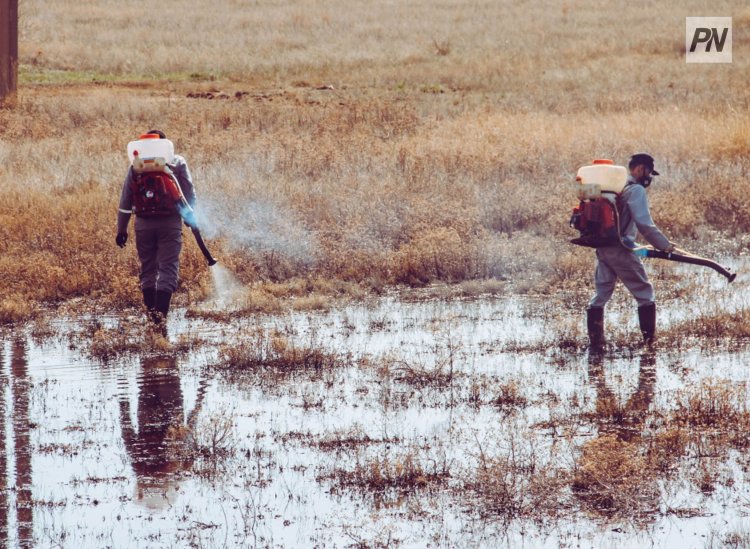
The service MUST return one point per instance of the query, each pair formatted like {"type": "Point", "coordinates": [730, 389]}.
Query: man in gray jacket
{"type": "Point", "coordinates": [158, 237]}
{"type": "Point", "coordinates": [619, 261]}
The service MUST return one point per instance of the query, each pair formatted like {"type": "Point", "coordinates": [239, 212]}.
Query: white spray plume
{"type": "Point", "coordinates": [229, 293]}
{"type": "Point", "coordinates": [258, 225]}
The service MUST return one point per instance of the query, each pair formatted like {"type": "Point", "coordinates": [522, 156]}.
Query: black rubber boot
{"type": "Point", "coordinates": [647, 320]}
{"type": "Point", "coordinates": [149, 298]}
{"type": "Point", "coordinates": [162, 303]}
{"type": "Point", "coordinates": [595, 326]}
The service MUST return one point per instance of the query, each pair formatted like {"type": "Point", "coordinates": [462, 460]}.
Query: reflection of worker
{"type": "Point", "coordinates": [625, 421]}
{"type": "Point", "coordinates": [609, 476]}
{"type": "Point", "coordinates": [618, 261]}
{"type": "Point", "coordinates": [157, 450]}
{"type": "Point", "coordinates": [158, 234]}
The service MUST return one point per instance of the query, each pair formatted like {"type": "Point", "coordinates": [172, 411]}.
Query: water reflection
{"type": "Point", "coordinates": [159, 449]}
{"type": "Point", "coordinates": [613, 475]}
{"type": "Point", "coordinates": [17, 380]}
{"type": "Point", "coordinates": [625, 421]}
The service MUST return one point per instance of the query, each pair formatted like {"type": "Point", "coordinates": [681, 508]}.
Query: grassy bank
{"type": "Point", "coordinates": [368, 144]}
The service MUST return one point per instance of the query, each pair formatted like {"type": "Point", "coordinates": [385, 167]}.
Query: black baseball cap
{"type": "Point", "coordinates": [645, 159]}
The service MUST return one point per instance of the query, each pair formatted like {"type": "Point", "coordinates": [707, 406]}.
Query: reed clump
{"type": "Point", "coordinates": [400, 474]}
{"type": "Point", "coordinates": [273, 353]}
{"type": "Point", "coordinates": [732, 327]}
{"type": "Point", "coordinates": [719, 409]}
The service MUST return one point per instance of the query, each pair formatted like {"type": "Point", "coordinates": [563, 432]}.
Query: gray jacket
{"type": "Point", "coordinates": [181, 171]}
{"type": "Point", "coordinates": [636, 217]}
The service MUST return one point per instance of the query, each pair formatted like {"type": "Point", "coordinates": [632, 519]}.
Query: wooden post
{"type": "Point", "coordinates": [8, 48]}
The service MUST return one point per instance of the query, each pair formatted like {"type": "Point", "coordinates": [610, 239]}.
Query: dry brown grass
{"type": "Point", "coordinates": [718, 408]}
{"type": "Point", "coordinates": [717, 326]}
{"type": "Point", "coordinates": [126, 337]}
{"type": "Point", "coordinates": [272, 353]}
{"type": "Point", "coordinates": [430, 159]}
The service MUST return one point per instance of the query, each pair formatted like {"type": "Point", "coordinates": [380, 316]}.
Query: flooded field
{"type": "Point", "coordinates": [395, 422]}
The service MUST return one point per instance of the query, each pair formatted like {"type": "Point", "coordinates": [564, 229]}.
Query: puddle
{"type": "Point", "coordinates": [389, 423]}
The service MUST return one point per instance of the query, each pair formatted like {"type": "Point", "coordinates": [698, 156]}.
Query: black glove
{"type": "Point", "coordinates": [121, 239]}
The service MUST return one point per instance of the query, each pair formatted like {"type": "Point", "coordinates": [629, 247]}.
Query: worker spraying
{"type": "Point", "coordinates": [159, 190]}
{"type": "Point", "coordinates": [613, 209]}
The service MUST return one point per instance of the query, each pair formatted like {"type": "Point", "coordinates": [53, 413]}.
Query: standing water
{"type": "Point", "coordinates": [389, 423]}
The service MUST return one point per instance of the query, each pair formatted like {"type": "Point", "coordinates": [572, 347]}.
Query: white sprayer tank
{"type": "Point", "coordinates": [605, 175]}
{"type": "Point", "coordinates": [150, 146]}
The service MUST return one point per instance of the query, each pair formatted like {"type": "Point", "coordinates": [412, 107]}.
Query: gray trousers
{"type": "Point", "coordinates": [615, 262]}
{"type": "Point", "coordinates": [159, 242]}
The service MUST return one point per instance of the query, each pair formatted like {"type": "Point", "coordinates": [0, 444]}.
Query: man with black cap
{"type": "Point", "coordinates": [620, 262]}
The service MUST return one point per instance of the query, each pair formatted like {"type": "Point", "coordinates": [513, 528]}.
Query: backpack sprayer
{"type": "Point", "coordinates": [155, 161]}
{"type": "Point", "coordinates": [597, 216]}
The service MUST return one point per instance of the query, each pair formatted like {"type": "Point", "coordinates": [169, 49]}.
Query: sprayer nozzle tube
{"type": "Point", "coordinates": [202, 246]}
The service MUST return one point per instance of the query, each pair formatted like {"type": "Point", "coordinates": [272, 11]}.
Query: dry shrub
{"type": "Point", "coordinates": [421, 376]}
{"type": "Point", "coordinates": [14, 309]}
{"type": "Point", "coordinates": [437, 254]}
{"type": "Point", "coordinates": [665, 448]}
{"type": "Point", "coordinates": [510, 397]}
{"type": "Point", "coordinates": [518, 482]}
{"type": "Point", "coordinates": [613, 477]}
{"type": "Point", "coordinates": [736, 539]}
{"type": "Point", "coordinates": [210, 443]}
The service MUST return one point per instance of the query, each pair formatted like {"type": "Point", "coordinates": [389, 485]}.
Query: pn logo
{"type": "Point", "coordinates": [708, 39]}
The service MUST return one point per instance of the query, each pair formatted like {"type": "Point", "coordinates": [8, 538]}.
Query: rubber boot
{"type": "Point", "coordinates": [595, 326]}
{"type": "Point", "coordinates": [647, 321]}
{"type": "Point", "coordinates": [149, 298]}
{"type": "Point", "coordinates": [162, 303]}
